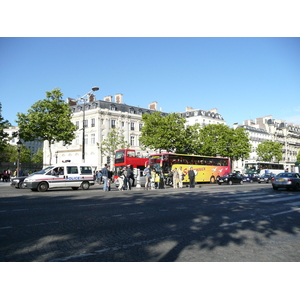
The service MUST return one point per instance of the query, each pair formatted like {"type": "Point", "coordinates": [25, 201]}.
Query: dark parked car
{"type": "Point", "coordinates": [231, 178]}
{"type": "Point", "coordinates": [251, 178]}
{"type": "Point", "coordinates": [286, 180]}
{"type": "Point", "coordinates": [18, 182]}
{"type": "Point", "coordinates": [267, 178]}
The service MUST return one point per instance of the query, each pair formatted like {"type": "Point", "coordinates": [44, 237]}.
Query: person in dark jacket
{"type": "Point", "coordinates": [129, 176]}
{"type": "Point", "coordinates": [191, 175]}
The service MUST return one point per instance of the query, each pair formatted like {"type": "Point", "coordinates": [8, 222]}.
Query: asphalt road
{"type": "Point", "coordinates": [239, 223]}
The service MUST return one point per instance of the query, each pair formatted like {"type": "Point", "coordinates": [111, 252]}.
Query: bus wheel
{"type": "Point", "coordinates": [212, 179]}
{"type": "Point", "coordinates": [43, 187]}
{"type": "Point", "coordinates": [85, 185]}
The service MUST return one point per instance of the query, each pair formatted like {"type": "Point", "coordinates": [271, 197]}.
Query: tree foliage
{"type": "Point", "coordinates": [298, 157]}
{"type": "Point", "coordinates": [268, 150]}
{"type": "Point", "coordinates": [163, 132]}
{"type": "Point", "coordinates": [47, 120]}
{"type": "Point", "coordinates": [220, 140]}
{"type": "Point", "coordinates": [4, 136]}
{"type": "Point", "coordinates": [114, 141]}
{"type": "Point", "coordinates": [38, 156]}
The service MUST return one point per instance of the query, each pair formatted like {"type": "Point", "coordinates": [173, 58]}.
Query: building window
{"type": "Point", "coordinates": [140, 126]}
{"type": "Point", "coordinates": [93, 123]}
{"type": "Point", "coordinates": [93, 139]}
{"type": "Point", "coordinates": [85, 122]}
{"type": "Point", "coordinates": [123, 124]}
{"type": "Point", "coordinates": [77, 124]}
{"type": "Point", "coordinates": [86, 139]}
{"type": "Point", "coordinates": [132, 126]}
{"type": "Point", "coordinates": [113, 123]}
{"type": "Point", "coordinates": [132, 141]}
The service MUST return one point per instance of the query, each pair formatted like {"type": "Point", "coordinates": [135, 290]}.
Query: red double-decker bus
{"type": "Point", "coordinates": [125, 157]}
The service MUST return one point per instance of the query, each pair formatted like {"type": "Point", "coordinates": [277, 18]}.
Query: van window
{"type": "Point", "coordinates": [72, 170]}
{"type": "Point", "coordinates": [86, 170]}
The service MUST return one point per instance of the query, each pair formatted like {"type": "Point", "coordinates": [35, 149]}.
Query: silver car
{"type": "Point", "coordinates": [286, 180]}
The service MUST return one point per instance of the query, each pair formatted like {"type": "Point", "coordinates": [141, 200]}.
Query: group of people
{"type": "Point", "coordinates": [175, 177]}
{"type": "Point", "coordinates": [153, 179]}
{"type": "Point", "coordinates": [125, 178]}
{"type": "Point", "coordinates": [7, 174]}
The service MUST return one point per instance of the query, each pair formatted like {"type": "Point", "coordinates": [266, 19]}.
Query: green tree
{"type": "Point", "coordinates": [38, 156]}
{"type": "Point", "coordinates": [4, 136]}
{"type": "Point", "coordinates": [47, 120]}
{"type": "Point", "coordinates": [13, 155]}
{"type": "Point", "coordinates": [163, 132]}
{"type": "Point", "coordinates": [220, 140]}
{"type": "Point", "coordinates": [298, 157]}
{"type": "Point", "coordinates": [268, 150]}
{"type": "Point", "coordinates": [114, 141]}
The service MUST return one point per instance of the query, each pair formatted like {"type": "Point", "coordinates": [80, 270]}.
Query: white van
{"type": "Point", "coordinates": [61, 176]}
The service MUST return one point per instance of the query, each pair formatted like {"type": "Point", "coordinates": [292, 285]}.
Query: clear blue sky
{"type": "Point", "coordinates": [242, 77]}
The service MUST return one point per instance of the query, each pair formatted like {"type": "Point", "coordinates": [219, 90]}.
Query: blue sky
{"type": "Point", "coordinates": [242, 77]}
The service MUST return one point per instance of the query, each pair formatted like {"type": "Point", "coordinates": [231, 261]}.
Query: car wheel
{"type": "Point", "coordinates": [251, 181]}
{"type": "Point", "coordinates": [275, 188]}
{"type": "Point", "coordinates": [219, 183]}
{"type": "Point", "coordinates": [297, 187]}
{"type": "Point", "coordinates": [22, 185]}
{"type": "Point", "coordinates": [85, 185]}
{"type": "Point", "coordinates": [241, 182]}
{"type": "Point", "coordinates": [230, 182]}
{"type": "Point", "coordinates": [43, 187]}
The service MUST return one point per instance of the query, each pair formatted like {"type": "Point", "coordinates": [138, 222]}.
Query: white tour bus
{"type": "Point", "coordinates": [70, 175]}
{"type": "Point", "coordinates": [263, 168]}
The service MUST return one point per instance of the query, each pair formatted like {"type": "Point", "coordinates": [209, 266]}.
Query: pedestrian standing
{"type": "Point", "coordinates": [110, 177]}
{"type": "Point", "coordinates": [129, 176]}
{"type": "Point", "coordinates": [180, 174]}
{"type": "Point", "coordinates": [147, 175]}
{"type": "Point", "coordinates": [132, 175]}
{"type": "Point", "coordinates": [191, 175]}
{"type": "Point", "coordinates": [105, 178]}
{"type": "Point", "coordinates": [175, 178]}
{"type": "Point", "coordinates": [161, 184]}
{"type": "Point", "coordinates": [99, 176]}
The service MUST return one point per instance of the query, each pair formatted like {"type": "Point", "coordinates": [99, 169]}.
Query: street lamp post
{"type": "Point", "coordinates": [82, 99]}
{"type": "Point", "coordinates": [19, 145]}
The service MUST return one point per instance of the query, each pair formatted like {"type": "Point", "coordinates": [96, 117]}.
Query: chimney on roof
{"type": "Point", "coordinates": [108, 98]}
{"type": "Point", "coordinates": [119, 98]}
{"type": "Point", "coordinates": [71, 101]}
{"type": "Point", "coordinates": [153, 105]}
{"type": "Point", "coordinates": [187, 108]}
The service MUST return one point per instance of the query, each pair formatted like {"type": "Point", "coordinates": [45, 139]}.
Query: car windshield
{"type": "Point", "coordinates": [44, 170]}
{"type": "Point", "coordinates": [226, 174]}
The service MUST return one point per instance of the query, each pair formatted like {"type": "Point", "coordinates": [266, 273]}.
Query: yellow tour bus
{"type": "Point", "coordinates": [206, 168]}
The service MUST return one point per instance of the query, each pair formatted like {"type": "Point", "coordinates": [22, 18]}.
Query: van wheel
{"type": "Point", "coordinates": [212, 179]}
{"type": "Point", "coordinates": [85, 185]}
{"type": "Point", "coordinates": [75, 188]}
{"type": "Point", "coordinates": [43, 187]}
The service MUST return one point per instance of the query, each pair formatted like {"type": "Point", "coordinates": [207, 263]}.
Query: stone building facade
{"type": "Point", "coordinates": [100, 117]}
{"type": "Point", "coordinates": [269, 129]}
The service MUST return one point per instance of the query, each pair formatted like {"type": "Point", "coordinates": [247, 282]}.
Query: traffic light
{"type": "Point", "coordinates": [108, 160]}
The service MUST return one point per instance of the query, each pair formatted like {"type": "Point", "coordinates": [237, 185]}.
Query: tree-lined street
{"type": "Point", "coordinates": [249, 222]}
